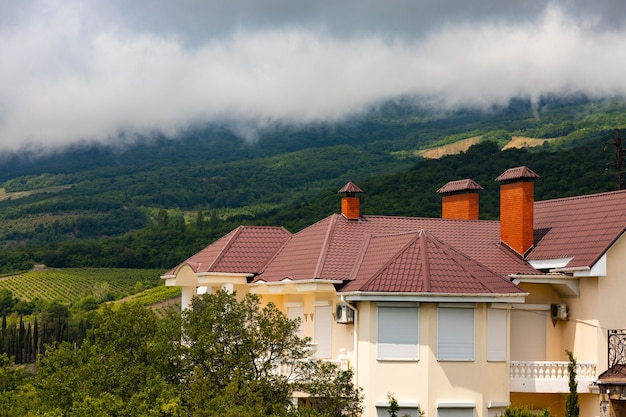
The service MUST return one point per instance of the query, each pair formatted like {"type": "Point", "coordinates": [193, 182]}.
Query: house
{"type": "Point", "coordinates": [454, 315]}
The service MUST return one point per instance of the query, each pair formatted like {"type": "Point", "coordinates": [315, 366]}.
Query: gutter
{"type": "Point", "coordinates": [295, 282]}
{"type": "Point", "coordinates": [572, 269]}
{"type": "Point", "coordinates": [356, 339]}
{"type": "Point", "coordinates": [434, 297]}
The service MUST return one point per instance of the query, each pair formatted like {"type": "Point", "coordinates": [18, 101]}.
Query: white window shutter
{"type": "Point", "coordinates": [398, 333]}
{"type": "Point", "coordinates": [496, 334]}
{"type": "Point", "coordinates": [455, 334]}
{"type": "Point", "coordinates": [323, 320]}
{"type": "Point", "coordinates": [294, 313]}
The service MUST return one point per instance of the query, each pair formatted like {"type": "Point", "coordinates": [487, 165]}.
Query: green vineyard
{"type": "Point", "coordinates": [74, 284]}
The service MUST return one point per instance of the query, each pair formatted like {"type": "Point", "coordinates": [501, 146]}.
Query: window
{"type": "Point", "coordinates": [323, 331]}
{"type": "Point", "coordinates": [496, 334]}
{"type": "Point", "coordinates": [398, 333]}
{"type": "Point", "coordinates": [294, 312]}
{"type": "Point", "coordinates": [455, 412]}
{"type": "Point", "coordinates": [528, 334]}
{"type": "Point", "coordinates": [455, 334]}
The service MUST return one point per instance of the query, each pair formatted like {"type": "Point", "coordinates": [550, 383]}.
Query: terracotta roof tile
{"type": "Point", "coordinates": [427, 265]}
{"type": "Point", "coordinates": [582, 227]}
{"type": "Point", "coordinates": [350, 187]}
{"type": "Point", "coordinates": [460, 185]}
{"type": "Point", "coordinates": [247, 249]}
{"type": "Point", "coordinates": [517, 173]}
{"type": "Point", "coordinates": [332, 248]}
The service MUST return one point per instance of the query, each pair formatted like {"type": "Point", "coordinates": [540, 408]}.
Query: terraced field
{"type": "Point", "coordinates": [71, 285]}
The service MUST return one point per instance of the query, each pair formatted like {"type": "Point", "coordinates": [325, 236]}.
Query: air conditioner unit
{"type": "Point", "coordinates": [558, 311]}
{"type": "Point", "coordinates": [344, 314]}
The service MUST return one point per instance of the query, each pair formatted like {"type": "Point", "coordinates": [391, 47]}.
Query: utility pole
{"type": "Point", "coordinates": [618, 163]}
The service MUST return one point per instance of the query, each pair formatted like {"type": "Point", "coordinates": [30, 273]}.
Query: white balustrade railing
{"type": "Point", "coordinates": [547, 376]}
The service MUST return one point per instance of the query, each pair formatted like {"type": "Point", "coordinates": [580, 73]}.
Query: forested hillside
{"type": "Point", "coordinates": [156, 201]}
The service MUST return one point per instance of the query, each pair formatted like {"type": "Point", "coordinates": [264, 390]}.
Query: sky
{"type": "Point", "coordinates": [76, 71]}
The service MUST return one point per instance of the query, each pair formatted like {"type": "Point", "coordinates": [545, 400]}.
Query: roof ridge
{"type": "Point", "coordinates": [359, 260]}
{"type": "Point", "coordinates": [322, 255]}
{"type": "Point", "coordinates": [364, 217]}
{"type": "Point", "coordinates": [392, 258]}
{"type": "Point", "coordinates": [425, 260]}
{"type": "Point", "coordinates": [227, 246]}
{"type": "Point", "coordinates": [581, 197]}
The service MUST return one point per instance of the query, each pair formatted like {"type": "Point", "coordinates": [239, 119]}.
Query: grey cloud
{"type": "Point", "coordinates": [79, 72]}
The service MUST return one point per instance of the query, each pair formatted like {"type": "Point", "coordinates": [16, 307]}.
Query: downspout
{"type": "Point", "coordinates": [356, 339]}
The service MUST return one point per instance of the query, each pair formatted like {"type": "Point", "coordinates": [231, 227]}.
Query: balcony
{"type": "Point", "coordinates": [550, 377]}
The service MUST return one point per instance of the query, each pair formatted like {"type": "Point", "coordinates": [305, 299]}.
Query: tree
{"type": "Point", "coordinates": [247, 359]}
{"type": "Point", "coordinates": [524, 412]}
{"type": "Point", "coordinates": [6, 302]}
{"type": "Point", "coordinates": [571, 403]}
{"type": "Point", "coordinates": [127, 365]}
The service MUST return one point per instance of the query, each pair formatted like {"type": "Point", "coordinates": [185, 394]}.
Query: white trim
{"type": "Point", "coordinates": [456, 405]}
{"type": "Point", "coordinates": [320, 303]}
{"type": "Point", "coordinates": [498, 404]}
{"type": "Point", "coordinates": [434, 298]}
{"type": "Point", "coordinates": [456, 305]}
{"type": "Point", "coordinates": [596, 270]}
{"type": "Point", "coordinates": [262, 283]}
{"type": "Point", "coordinates": [289, 304]}
{"type": "Point", "coordinates": [223, 274]}
{"type": "Point", "coordinates": [550, 263]}
{"type": "Point", "coordinates": [532, 307]}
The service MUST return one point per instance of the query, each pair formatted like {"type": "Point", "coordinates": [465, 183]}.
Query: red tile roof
{"type": "Point", "coordinates": [410, 254]}
{"type": "Point", "coordinates": [460, 185]}
{"type": "Point", "coordinates": [423, 264]}
{"type": "Point", "coordinates": [582, 227]}
{"type": "Point", "coordinates": [247, 249]}
{"type": "Point", "coordinates": [333, 248]}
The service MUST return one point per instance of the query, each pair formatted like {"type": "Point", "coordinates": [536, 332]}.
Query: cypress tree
{"type": "Point", "coordinates": [28, 345]}
{"type": "Point", "coordinates": [571, 404]}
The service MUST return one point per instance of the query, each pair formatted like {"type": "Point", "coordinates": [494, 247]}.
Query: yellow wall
{"type": "Point", "coordinates": [429, 381]}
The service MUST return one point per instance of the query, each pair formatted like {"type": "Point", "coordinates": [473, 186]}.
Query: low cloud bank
{"type": "Point", "coordinates": [68, 81]}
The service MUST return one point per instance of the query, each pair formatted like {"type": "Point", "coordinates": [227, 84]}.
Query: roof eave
{"type": "Point", "coordinates": [434, 297]}
{"type": "Point", "coordinates": [296, 282]}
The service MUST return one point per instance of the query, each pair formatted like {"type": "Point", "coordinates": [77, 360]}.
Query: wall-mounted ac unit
{"type": "Point", "coordinates": [344, 314]}
{"type": "Point", "coordinates": [558, 311]}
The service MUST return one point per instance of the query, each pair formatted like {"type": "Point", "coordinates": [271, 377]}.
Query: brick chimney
{"type": "Point", "coordinates": [517, 198]}
{"type": "Point", "coordinates": [350, 204]}
{"type": "Point", "coordinates": [460, 200]}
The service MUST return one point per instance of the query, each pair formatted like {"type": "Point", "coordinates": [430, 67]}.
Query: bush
{"type": "Point", "coordinates": [524, 412]}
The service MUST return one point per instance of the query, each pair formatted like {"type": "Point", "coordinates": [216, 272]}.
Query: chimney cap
{"type": "Point", "coordinates": [459, 186]}
{"type": "Point", "coordinates": [350, 188]}
{"type": "Point", "coordinates": [518, 173]}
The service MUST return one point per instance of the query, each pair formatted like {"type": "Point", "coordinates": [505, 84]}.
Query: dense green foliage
{"type": "Point", "coordinates": [572, 408]}
{"type": "Point", "coordinates": [133, 363]}
{"type": "Point", "coordinates": [157, 201]}
{"type": "Point", "coordinates": [524, 412]}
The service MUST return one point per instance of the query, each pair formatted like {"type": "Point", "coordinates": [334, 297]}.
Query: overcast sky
{"type": "Point", "coordinates": [74, 70]}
